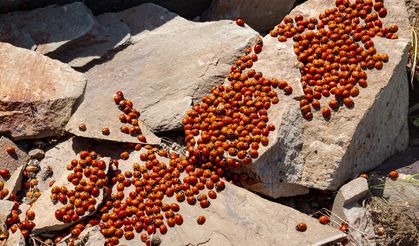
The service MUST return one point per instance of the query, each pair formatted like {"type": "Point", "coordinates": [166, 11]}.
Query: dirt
{"type": "Point", "coordinates": [399, 229]}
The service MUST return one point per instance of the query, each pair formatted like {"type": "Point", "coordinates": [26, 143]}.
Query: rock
{"type": "Point", "coordinates": [186, 8]}
{"type": "Point", "coordinates": [15, 239]}
{"type": "Point", "coordinates": [347, 208]}
{"type": "Point", "coordinates": [37, 94]}
{"type": "Point", "coordinates": [42, 29]}
{"type": "Point", "coordinates": [351, 192]}
{"type": "Point", "coordinates": [11, 162]}
{"type": "Point", "coordinates": [260, 15]}
{"type": "Point", "coordinates": [238, 217]}
{"type": "Point", "coordinates": [36, 154]}
{"type": "Point", "coordinates": [192, 56]}
{"type": "Point", "coordinates": [88, 237]}
{"type": "Point", "coordinates": [361, 225]}
{"type": "Point", "coordinates": [105, 37]}
{"type": "Point", "coordinates": [43, 207]}
{"type": "Point", "coordinates": [324, 154]}
{"type": "Point", "coordinates": [14, 183]}
{"type": "Point", "coordinates": [5, 209]}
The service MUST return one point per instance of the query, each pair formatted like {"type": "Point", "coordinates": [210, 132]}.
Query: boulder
{"type": "Point", "coordinates": [193, 57]}
{"type": "Point", "coordinates": [5, 209]}
{"type": "Point", "coordinates": [42, 29]}
{"type": "Point", "coordinates": [11, 162]}
{"type": "Point", "coordinates": [37, 94]}
{"type": "Point", "coordinates": [237, 217]}
{"type": "Point", "coordinates": [323, 154]}
{"type": "Point", "coordinates": [260, 15]}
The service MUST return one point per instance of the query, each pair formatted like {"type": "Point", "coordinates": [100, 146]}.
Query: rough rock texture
{"type": "Point", "coordinates": [88, 237]}
{"type": "Point", "coordinates": [324, 154]}
{"type": "Point", "coordinates": [163, 72]}
{"type": "Point", "coordinates": [5, 209]}
{"type": "Point", "coordinates": [11, 162]}
{"type": "Point", "coordinates": [42, 29]}
{"type": "Point", "coordinates": [346, 207]}
{"type": "Point", "coordinates": [14, 183]}
{"type": "Point", "coordinates": [43, 207]}
{"type": "Point", "coordinates": [36, 153]}
{"type": "Point", "coordinates": [238, 217]}
{"type": "Point", "coordinates": [350, 193]}
{"type": "Point", "coordinates": [37, 94]}
{"type": "Point", "coordinates": [15, 239]}
{"type": "Point", "coordinates": [260, 15]}
{"type": "Point", "coordinates": [186, 8]}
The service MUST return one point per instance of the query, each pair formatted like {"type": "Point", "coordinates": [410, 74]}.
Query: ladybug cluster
{"type": "Point", "coordinates": [129, 116]}
{"type": "Point", "coordinates": [89, 178]}
{"type": "Point", "coordinates": [335, 50]}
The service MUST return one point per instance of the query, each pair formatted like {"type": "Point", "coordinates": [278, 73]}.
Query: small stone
{"type": "Point", "coordinates": [37, 154]}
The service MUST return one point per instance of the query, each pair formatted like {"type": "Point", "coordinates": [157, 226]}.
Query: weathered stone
{"type": "Point", "coordinates": [324, 154]}
{"type": "Point", "coordinates": [46, 29]}
{"type": "Point", "coordinates": [43, 207]}
{"type": "Point", "coordinates": [37, 94]}
{"type": "Point", "coordinates": [15, 239]}
{"type": "Point", "coordinates": [260, 15]}
{"type": "Point", "coordinates": [5, 209]}
{"type": "Point", "coordinates": [163, 72]}
{"type": "Point", "coordinates": [105, 37]}
{"type": "Point", "coordinates": [14, 183]}
{"type": "Point", "coordinates": [238, 217]}
{"type": "Point", "coordinates": [89, 237]}
{"type": "Point", "coordinates": [36, 154]}
{"type": "Point", "coordinates": [11, 162]}
{"type": "Point", "coordinates": [351, 192]}
{"type": "Point", "coordinates": [347, 207]}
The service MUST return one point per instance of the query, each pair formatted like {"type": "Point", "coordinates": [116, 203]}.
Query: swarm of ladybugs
{"type": "Point", "coordinates": [226, 130]}
{"type": "Point", "coordinates": [335, 49]}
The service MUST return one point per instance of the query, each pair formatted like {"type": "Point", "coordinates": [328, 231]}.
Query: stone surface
{"type": "Point", "coordinates": [11, 162]}
{"type": "Point", "coordinates": [14, 183]}
{"type": "Point", "coordinates": [106, 36]}
{"type": "Point", "coordinates": [361, 230]}
{"type": "Point", "coordinates": [15, 239]}
{"type": "Point", "coordinates": [42, 29]}
{"type": "Point", "coordinates": [260, 15]}
{"type": "Point", "coordinates": [324, 154]}
{"type": "Point", "coordinates": [238, 217]}
{"type": "Point", "coordinates": [37, 94]}
{"type": "Point", "coordinates": [163, 72]}
{"type": "Point", "coordinates": [36, 153]}
{"type": "Point", "coordinates": [351, 192]}
{"type": "Point", "coordinates": [347, 207]}
{"type": "Point", "coordinates": [186, 8]}
{"type": "Point", "coordinates": [5, 209]}
{"type": "Point", "coordinates": [43, 207]}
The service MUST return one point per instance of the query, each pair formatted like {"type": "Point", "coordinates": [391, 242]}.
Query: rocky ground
{"type": "Point", "coordinates": [214, 122]}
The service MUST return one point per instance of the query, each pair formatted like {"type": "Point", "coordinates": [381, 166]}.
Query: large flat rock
{"type": "Point", "coordinates": [37, 94]}
{"type": "Point", "coordinates": [46, 29]}
{"type": "Point", "coordinates": [237, 217]}
{"type": "Point", "coordinates": [320, 153]}
{"type": "Point", "coordinates": [167, 67]}
{"type": "Point", "coordinates": [260, 15]}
